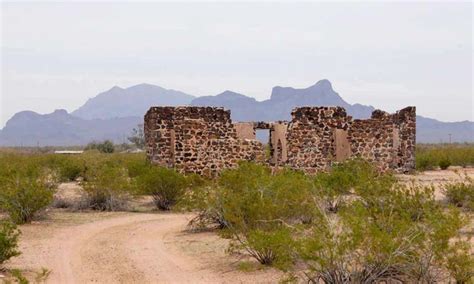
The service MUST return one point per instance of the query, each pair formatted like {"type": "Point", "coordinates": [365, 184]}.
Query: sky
{"type": "Point", "coordinates": [389, 55]}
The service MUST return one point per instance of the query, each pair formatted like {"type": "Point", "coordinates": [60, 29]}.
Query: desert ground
{"type": "Point", "coordinates": [145, 246]}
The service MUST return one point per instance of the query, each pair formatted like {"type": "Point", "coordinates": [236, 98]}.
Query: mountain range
{"type": "Point", "coordinates": [114, 113]}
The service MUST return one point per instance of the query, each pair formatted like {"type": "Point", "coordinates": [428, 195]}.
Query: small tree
{"type": "Point", "coordinates": [8, 241]}
{"type": "Point", "coordinates": [137, 137]}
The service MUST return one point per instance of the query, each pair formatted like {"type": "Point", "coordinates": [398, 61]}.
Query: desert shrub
{"type": "Point", "coordinates": [165, 185]}
{"type": "Point", "coordinates": [259, 209]}
{"type": "Point", "coordinates": [71, 169]}
{"type": "Point", "coordinates": [136, 165]}
{"type": "Point", "coordinates": [461, 194]}
{"type": "Point", "coordinates": [444, 163]}
{"type": "Point", "coordinates": [25, 189]}
{"type": "Point", "coordinates": [460, 262]}
{"type": "Point", "coordinates": [385, 231]}
{"type": "Point", "coordinates": [400, 234]}
{"type": "Point", "coordinates": [106, 146]}
{"type": "Point", "coordinates": [424, 162]}
{"type": "Point", "coordinates": [59, 202]}
{"type": "Point", "coordinates": [8, 241]}
{"type": "Point", "coordinates": [68, 168]}
{"type": "Point", "coordinates": [273, 247]}
{"type": "Point", "coordinates": [333, 186]}
{"type": "Point", "coordinates": [369, 243]}
{"type": "Point", "coordinates": [203, 198]}
{"type": "Point", "coordinates": [107, 187]}
{"type": "Point", "coordinates": [17, 274]}
{"type": "Point", "coordinates": [429, 156]}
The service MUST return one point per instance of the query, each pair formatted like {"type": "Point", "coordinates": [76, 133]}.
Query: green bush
{"type": "Point", "coordinates": [165, 185]}
{"type": "Point", "coordinates": [8, 241]}
{"type": "Point", "coordinates": [25, 190]}
{"type": "Point", "coordinates": [203, 198]}
{"type": "Point", "coordinates": [137, 165]}
{"type": "Point", "coordinates": [258, 210]}
{"type": "Point", "coordinates": [106, 146]}
{"type": "Point", "coordinates": [444, 163]}
{"type": "Point", "coordinates": [384, 231]}
{"type": "Point", "coordinates": [107, 187]}
{"type": "Point", "coordinates": [71, 170]}
{"type": "Point", "coordinates": [460, 262]}
{"type": "Point", "coordinates": [424, 163]}
{"type": "Point", "coordinates": [429, 156]}
{"type": "Point", "coordinates": [334, 186]}
{"type": "Point", "coordinates": [461, 194]}
{"type": "Point", "coordinates": [273, 247]}
{"type": "Point", "coordinates": [377, 239]}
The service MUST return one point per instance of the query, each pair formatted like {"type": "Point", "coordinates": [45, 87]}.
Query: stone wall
{"type": "Point", "coordinates": [310, 136]}
{"type": "Point", "coordinates": [199, 140]}
{"type": "Point", "coordinates": [204, 140]}
{"type": "Point", "coordinates": [386, 139]}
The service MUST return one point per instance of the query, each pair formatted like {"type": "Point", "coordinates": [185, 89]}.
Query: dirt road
{"type": "Point", "coordinates": [125, 249]}
{"type": "Point", "coordinates": [134, 248]}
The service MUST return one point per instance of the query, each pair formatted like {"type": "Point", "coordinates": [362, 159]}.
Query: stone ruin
{"type": "Point", "coordinates": [203, 140]}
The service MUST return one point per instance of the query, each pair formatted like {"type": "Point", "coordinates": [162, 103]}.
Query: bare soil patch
{"type": "Point", "coordinates": [86, 247]}
{"type": "Point", "coordinates": [438, 178]}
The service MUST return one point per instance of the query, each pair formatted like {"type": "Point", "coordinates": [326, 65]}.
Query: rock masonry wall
{"type": "Point", "coordinates": [310, 136]}
{"type": "Point", "coordinates": [204, 140]}
{"type": "Point", "coordinates": [199, 140]}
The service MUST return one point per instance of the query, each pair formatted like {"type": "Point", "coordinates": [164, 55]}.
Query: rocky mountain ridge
{"type": "Point", "coordinates": [114, 113]}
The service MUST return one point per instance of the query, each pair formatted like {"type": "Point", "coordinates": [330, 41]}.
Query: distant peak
{"type": "Point", "coordinates": [115, 88]}
{"type": "Point", "coordinates": [143, 86]}
{"type": "Point", "coordinates": [59, 111]}
{"type": "Point", "coordinates": [324, 84]}
{"type": "Point", "coordinates": [229, 93]}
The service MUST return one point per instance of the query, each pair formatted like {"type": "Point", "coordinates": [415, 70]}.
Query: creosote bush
{"type": "Point", "coordinates": [461, 194]}
{"type": "Point", "coordinates": [165, 185]}
{"type": "Point", "coordinates": [444, 163]}
{"type": "Point", "coordinates": [8, 241]}
{"type": "Point", "coordinates": [106, 146]}
{"type": "Point", "coordinates": [430, 156]}
{"type": "Point", "coordinates": [352, 224]}
{"type": "Point", "coordinates": [107, 187]}
{"type": "Point", "coordinates": [26, 188]}
{"type": "Point", "coordinates": [259, 209]}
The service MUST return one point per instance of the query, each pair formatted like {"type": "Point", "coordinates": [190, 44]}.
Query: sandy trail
{"type": "Point", "coordinates": [134, 248]}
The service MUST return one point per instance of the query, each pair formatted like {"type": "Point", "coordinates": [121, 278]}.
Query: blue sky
{"type": "Point", "coordinates": [389, 55]}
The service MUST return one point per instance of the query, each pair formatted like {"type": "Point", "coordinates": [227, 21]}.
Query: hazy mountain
{"type": "Point", "coordinates": [133, 101]}
{"type": "Point", "coordinates": [113, 114]}
{"type": "Point", "coordinates": [281, 102]}
{"type": "Point", "coordinates": [284, 99]}
{"type": "Point", "coordinates": [430, 130]}
{"type": "Point", "coordinates": [59, 128]}
{"type": "Point", "coordinates": [242, 107]}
